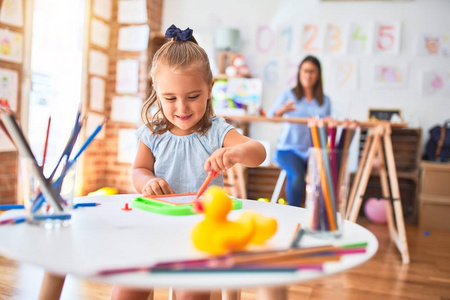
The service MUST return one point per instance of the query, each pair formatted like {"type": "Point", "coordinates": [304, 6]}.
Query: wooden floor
{"type": "Point", "coordinates": [383, 277]}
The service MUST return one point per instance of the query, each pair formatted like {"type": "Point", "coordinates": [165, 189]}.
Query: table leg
{"type": "Point", "coordinates": [51, 286]}
{"type": "Point", "coordinates": [272, 293]}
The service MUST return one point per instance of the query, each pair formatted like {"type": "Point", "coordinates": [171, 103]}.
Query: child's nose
{"type": "Point", "coordinates": [182, 106]}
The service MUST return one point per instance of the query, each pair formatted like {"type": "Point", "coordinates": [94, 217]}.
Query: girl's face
{"type": "Point", "coordinates": [183, 95]}
{"type": "Point", "coordinates": [308, 75]}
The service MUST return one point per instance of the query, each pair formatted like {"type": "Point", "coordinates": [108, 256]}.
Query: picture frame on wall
{"type": "Point", "coordinates": [385, 114]}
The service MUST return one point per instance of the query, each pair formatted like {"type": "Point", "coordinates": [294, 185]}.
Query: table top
{"type": "Point", "coordinates": [252, 119]}
{"type": "Point", "coordinates": [106, 237]}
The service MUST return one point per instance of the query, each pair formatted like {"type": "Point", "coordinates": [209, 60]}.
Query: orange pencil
{"type": "Point", "coordinates": [197, 205]}
{"type": "Point", "coordinates": [326, 194]}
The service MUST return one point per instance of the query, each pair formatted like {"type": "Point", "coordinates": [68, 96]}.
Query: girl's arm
{"type": "Point", "coordinates": [236, 149]}
{"type": "Point", "coordinates": [143, 174]}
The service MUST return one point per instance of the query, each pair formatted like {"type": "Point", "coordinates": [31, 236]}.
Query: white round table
{"type": "Point", "coordinates": [107, 237]}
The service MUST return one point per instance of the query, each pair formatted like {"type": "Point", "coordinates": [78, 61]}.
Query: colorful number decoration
{"type": "Point", "coordinates": [265, 39]}
{"type": "Point", "coordinates": [310, 38]}
{"type": "Point", "coordinates": [345, 75]}
{"type": "Point", "coordinates": [359, 38]}
{"type": "Point", "coordinates": [288, 33]}
{"type": "Point", "coordinates": [334, 42]}
{"type": "Point", "coordinates": [387, 38]}
{"type": "Point", "coordinates": [292, 71]}
{"type": "Point", "coordinates": [271, 72]}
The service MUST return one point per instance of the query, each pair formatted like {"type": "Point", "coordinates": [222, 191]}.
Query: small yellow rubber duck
{"type": "Point", "coordinates": [218, 235]}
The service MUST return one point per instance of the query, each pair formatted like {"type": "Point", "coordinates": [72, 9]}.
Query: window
{"type": "Point", "coordinates": [56, 75]}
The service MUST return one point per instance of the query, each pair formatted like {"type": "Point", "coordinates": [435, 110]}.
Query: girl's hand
{"type": "Point", "coordinates": [156, 186]}
{"type": "Point", "coordinates": [222, 159]}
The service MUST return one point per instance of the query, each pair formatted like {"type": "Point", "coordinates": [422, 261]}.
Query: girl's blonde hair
{"type": "Point", "coordinates": [177, 55]}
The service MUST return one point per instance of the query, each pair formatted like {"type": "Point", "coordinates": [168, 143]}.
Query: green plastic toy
{"type": "Point", "coordinates": [173, 205]}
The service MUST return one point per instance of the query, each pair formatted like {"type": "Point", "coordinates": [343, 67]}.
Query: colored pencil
{"type": "Point", "coordinates": [15, 220]}
{"type": "Point", "coordinates": [88, 204]}
{"type": "Point", "coordinates": [313, 259]}
{"type": "Point", "coordinates": [20, 206]}
{"type": "Point", "coordinates": [11, 206]}
{"type": "Point", "coordinates": [299, 258]}
{"type": "Point", "coordinates": [323, 177]}
{"type": "Point", "coordinates": [332, 133]}
{"type": "Point", "coordinates": [52, 217]}
{"type": "Point", "coordinates": [24, 148]}
{"type": "Point", "coordinates": [46, 142]}
{"type": "Point", "coordinates": [39, 199]}
{"type": "Point", "coordinates": [298, 237]}
{"type": "Point", "coordinates": [58, 183]}
{"type": "Point", "coordinates": [238, 269]}
{"type": "Point", "coordinates": [327, 169]}
{"type": "Point", "coordinates": [297, 227]}
{"type": "Point", "coordinates": [197, 204]}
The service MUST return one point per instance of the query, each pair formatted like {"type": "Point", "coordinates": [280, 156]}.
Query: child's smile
{"type": "Point", "coordinates": [183, 95]}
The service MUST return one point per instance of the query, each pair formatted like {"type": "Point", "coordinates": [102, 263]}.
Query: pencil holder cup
{"type": "Point", "coordinates": [48, 210]}
{"type": "Point", "coordinates": [327, 187]}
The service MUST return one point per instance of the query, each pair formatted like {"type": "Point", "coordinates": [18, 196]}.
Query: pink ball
{"type": "Point", "coordinates": [375, 210]}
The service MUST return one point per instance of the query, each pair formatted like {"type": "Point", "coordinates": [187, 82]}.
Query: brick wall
{"type": "Point", "coordinates": [101, 167]}
{"type": "Point", "coordinates": [9, 160]}
{"type": "Point", "coordinates": [8, 177]}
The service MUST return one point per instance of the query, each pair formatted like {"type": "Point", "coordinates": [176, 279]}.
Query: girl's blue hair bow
{"type": "Point", "coordinates": [179, 35]}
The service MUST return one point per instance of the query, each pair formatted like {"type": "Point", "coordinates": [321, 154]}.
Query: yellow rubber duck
{"type": "Point", "coordinates": [218, 235]}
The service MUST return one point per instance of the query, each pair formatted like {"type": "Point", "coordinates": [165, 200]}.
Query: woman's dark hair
{"type": "Point", "coordinates": [318, 89]}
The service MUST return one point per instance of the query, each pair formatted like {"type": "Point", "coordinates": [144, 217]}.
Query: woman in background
{"type": "Point", "coordinates": [304, 100]}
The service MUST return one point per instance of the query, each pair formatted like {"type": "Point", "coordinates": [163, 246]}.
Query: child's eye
{"type": "Point", "coordinates": [193, 97]}
{"type": "Point", "coordinates": [170, 99]}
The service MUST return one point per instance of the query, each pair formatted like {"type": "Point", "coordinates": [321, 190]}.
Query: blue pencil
{"type": "Point", "coordinates": [15, 220]}
{"type": "Point", "coordinates": [89, 204]}
{"type": "Point", "coordinates": [57, 184]}
{"type": "Point", "coordinates": [20, 206]}
{"type": "Point", "coordinates": [11, 206]}
{"type": "Point", "coordinates": [52, 217]}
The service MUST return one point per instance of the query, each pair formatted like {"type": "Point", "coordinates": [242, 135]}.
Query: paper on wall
{"type": "Point", "coordinates": [387, 38]}
{"type": "Point", "coordinates": [11, 46]}
{"type": "Point", "coordinates": [435, 82]}
{"type": "Point", "coordinates": [428, 45]}
{"type": "Point", "coordinates": [92, 123]}
{"type": "Point", "coordinates": [389, 75]}
{"type": "Point", "coordinates": [344, 74]}
{"type": "Point", "coordinates": [126, 109]}
{"type": "Point", "coordinates": [127, 79]}
{"type": "Point", "coordinates": [5, 143]}
{"type": "Point", "coordinates": [127, 146]}
{"type": "Point", "coordinates": [98, 63]}
{"type": "Point", "coordinates": [103, 9]}
{"type": "Point", "coordinates": [11, 12]}
{"type": "Point", "coordinates": [132, 11]}
{"type": "Point", "coordinates": [97, 94]}
{"type": "Point", "coordinates": [133, 38]}
{"type": "Point", "coordinates": [9, 87]}
{"type": "Point", "coordinates": [360, 38]}
{"type": "Point", "coordinates": [100, 33]}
